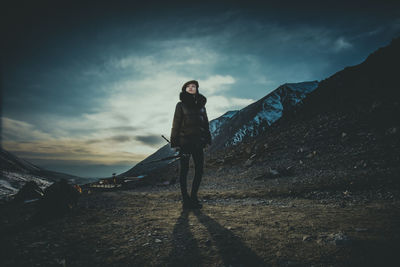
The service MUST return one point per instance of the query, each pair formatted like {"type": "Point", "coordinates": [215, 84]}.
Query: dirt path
{"type": "Point", "coordinates": [132, 228]}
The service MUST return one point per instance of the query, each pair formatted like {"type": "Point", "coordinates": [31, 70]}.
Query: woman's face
{"type": "Point", "coordinates": [191, 88]}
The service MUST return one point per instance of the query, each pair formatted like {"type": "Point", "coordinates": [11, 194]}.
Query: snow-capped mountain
{"type": "Point", "coordinates": [11, 182]}
{"type": "Point", "coordinates": [258, 116]}
{"type": "Point", "coordinates": [216, 124]}
{"type": "Point", "coordinates": [15, 172]}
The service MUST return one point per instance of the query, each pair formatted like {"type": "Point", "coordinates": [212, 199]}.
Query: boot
{"type": "Point", "coordinates": [195, 202]}
{"type": "Point", "coordinates": [186, 202]}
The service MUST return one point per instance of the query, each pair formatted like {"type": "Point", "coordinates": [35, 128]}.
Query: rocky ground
{"type": "Point", "coordinates": [241, 224]}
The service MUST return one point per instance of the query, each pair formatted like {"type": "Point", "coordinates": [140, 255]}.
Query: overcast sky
{"type": "Point", "coordinates": [88, 89]}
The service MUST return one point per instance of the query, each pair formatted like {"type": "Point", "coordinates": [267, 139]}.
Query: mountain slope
{"type": "Point", "coordinates": [216, 124]}
{"type": "Point", "coordinates": [15, 172]}
{"type": "Point", "coordinates": [258, 116]}
{"type": "Point", "coordinates": [143, 168]}
{"type": "Point", "coordinates": [345, 136]}
{"type": "Point", "coordinates": [373, 84]}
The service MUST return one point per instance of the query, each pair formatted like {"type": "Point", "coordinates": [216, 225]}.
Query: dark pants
{"type": "Point", "coordinates": [196, 151]}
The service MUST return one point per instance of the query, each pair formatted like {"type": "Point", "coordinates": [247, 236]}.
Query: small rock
{"type": "Point", "coordinates": [158, 240]}
{"type": "Point", "coordinates": [273, 172]}
{"type": "Point", "coordinates": [340, 239]}
{"type": "Point", "coordinates": [286, 171]}
{"type": "Point", "coordinates": [221, 161]}
{"type": "Point", "coordinates": [306, 238]}
{"type": "Point", "coordinates": [62, 262]}
{"type": "Point", "coordinates": [392, 130]}
{"type": "Point", "coordinates": [376, 104]}
{"type": "Point", "coordinates": [248, 163]}
{"type": "Point", "coordinates": [248, 150]}
{"type": "Point", "coordinates": [37, 244]}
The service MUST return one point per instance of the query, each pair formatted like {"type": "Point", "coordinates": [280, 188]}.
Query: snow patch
{"type": "Point", "coordinates": [272, 108]}
{"type": "Point", "coordinates": [11, 182]}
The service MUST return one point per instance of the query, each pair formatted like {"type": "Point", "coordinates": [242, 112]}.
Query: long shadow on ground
{"type": "Point", "coordinates": [231, 249]}
{"type": "Point", "coordinates": [186, 251]}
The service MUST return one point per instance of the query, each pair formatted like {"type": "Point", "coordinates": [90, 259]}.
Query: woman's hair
{"type": "Point", "coordinates": [189, 82]}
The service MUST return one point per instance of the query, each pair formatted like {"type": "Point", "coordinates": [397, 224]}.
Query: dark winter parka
{"type": "Point", "coordinates": [190, 123]}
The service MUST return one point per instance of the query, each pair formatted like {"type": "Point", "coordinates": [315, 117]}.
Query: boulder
{"type": "Point", "coordinates": [58, 198]}
{"type": "Point", "coordinates": [30, 191]}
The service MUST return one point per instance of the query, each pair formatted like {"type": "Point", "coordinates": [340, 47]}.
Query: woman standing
{"type": "Point", "coordinates": [190, 133]}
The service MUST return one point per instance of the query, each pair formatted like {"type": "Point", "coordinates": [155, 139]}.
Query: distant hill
{"type": "Point", "coordinates": [15, 172]}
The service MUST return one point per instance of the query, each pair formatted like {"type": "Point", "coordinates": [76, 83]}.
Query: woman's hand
{"type": "Point", "coordinates": [177, 149]}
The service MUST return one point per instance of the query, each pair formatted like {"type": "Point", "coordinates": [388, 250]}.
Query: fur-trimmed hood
{"type": "Point", "coordinates": [197, 100]}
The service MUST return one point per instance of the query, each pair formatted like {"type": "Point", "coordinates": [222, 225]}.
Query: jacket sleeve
{"type": "Point", "coordinates": [208, 133]}
{"type": "Point", "coordinates": [176, 125]}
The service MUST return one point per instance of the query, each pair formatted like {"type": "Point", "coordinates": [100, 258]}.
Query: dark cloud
{"type": "Point", "coordinates": [121, 138]}
{"type": "Point", "coordinates": [115, 139]}
{"type": "Point", "coordinates": [82, 150]}
{"type": "Point", "coordinates": [36, 155]}
{"type": "Point", "coordinates": [123, 128]}
{"type": "Point", "coordinates": [152, 140]}
{"type": "Point", "coordinates": [121, 118]}
{"type": "Point", "coordinates": [83, 131]}
{"type": "Point", "coordinates": [93, 141]}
